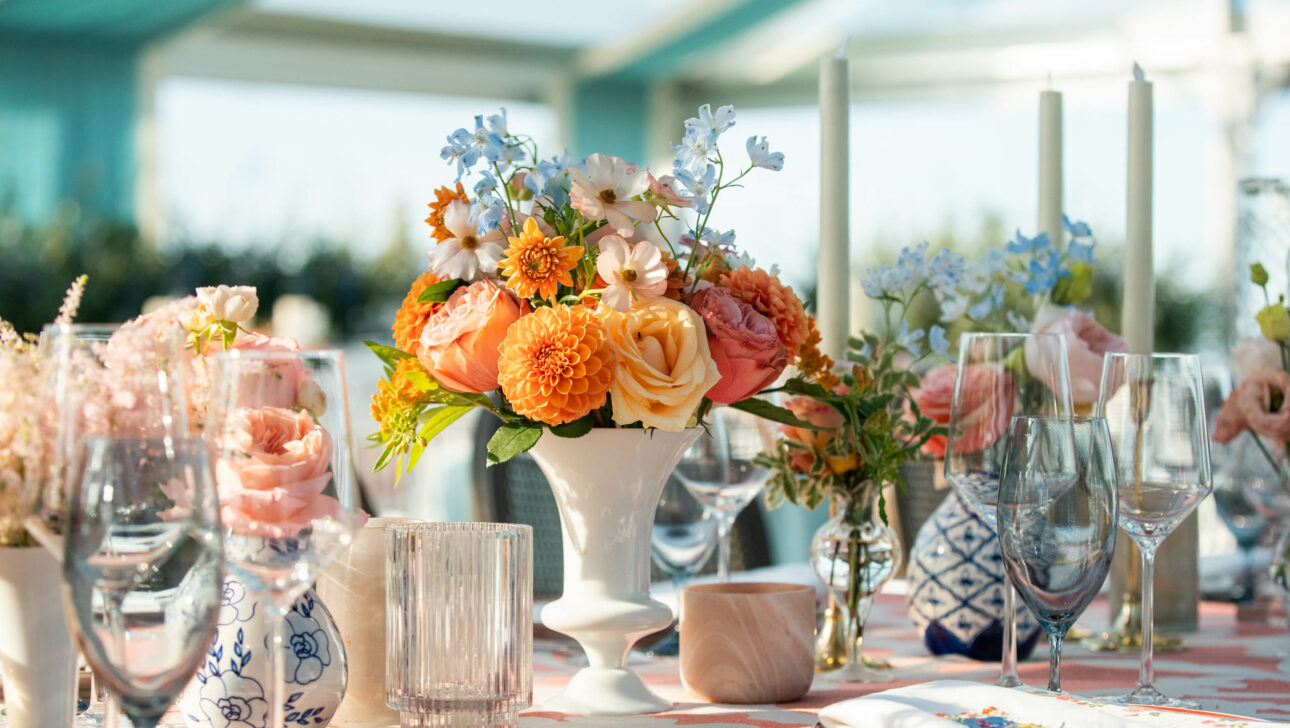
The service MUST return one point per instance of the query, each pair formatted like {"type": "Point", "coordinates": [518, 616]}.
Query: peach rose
{"type": "Point", "coordinates": [663, 366]}
{"type": "Point", "coordinates": [935, 396]}
{"type": "Point", "coordinates": [275, 465]}
{"type": "Point", "coordinates": [1260, 403]}
{"type": "Point", "coordinates": [985, 407]}
{"type": "Point", "coordinates": [1086, 343]}
{"type": "Point", "coordinates": [743, 342]}
{"type": "Point", "coordinates": [270, 382]}
{"type": "Point", "coordinates": [460, 342]}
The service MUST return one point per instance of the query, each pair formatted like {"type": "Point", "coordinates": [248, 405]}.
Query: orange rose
{"type": "Point", "coordinates": [460, 343]}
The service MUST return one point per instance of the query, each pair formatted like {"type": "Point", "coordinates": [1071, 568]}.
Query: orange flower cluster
{"type": "Point", "coordinates": [396, 398]}
{"type": "Point", "coordinates": [556, 364]}
{"type": "Point", "coordinates": [443, 197]}
{"type": "Point", "coordinates": [813, 363]}
{"type": "Point", "coordinates": [413, 315]}
{"type": "Point", "coordinates": [536, 264]}
{"type": "Point", "coordinates": [676, 277]}
{"type": "Point", "coordinates": [774, 300]}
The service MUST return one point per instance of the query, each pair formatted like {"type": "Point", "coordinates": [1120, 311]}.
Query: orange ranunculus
{"type": "Point", "coordinates": [663, 366]}
{"type": "Point", "coordinates": [536, 264]}
{"type": "Point", "coordinates": [412, 316]}
{"type": "Point", "coordinates": [556, 364]}
{"type": "Point", "coordinates": [444, 196]}
{"type": "Point", "coordinates": [821, 415]}
{"type": "Point", "coordinates": [461, 342]}
{"type": "Point", "coordinates": [774, 300]}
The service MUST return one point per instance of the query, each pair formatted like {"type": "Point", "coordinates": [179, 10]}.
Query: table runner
{"type": "Point", "coordinates": [1229, 666]}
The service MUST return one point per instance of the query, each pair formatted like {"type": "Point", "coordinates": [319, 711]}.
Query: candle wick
{"type": "Point", "coordinates": [842, 50]}
{"type": "Point", "coordinates": [1138, 75]}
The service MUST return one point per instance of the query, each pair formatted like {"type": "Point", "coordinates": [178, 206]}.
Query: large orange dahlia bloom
{"type": "Point", "coordinates": [774, 300]}
{"type": "Point", "coordinates": [537, 264]}
{"type": "Point", "coordinates": [556, 364]}
{"type": "Point", "coordinates": [412, 315]}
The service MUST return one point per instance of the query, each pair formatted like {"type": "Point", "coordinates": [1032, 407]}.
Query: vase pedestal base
{"type": "Point", "coordinates": [606, 691]}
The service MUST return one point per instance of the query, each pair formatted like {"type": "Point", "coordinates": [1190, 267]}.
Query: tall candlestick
{"type": "Point", "coordinates": [1137, 322]}
{"type": "Point", "coordinates": [1050, 165]}
{"type": "Point", "coordinates": [832, 296]}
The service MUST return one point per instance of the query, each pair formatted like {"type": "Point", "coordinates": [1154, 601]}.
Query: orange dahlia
{"type": "Point", "coordinates": [536, 264]}
{"type": "Point", "coordinates": [412, 315]}
{"type": "Point", "coordinates": [443, 196]}
{"type": "Point", "coordinates": [556, 364]}
{"type": "Point", "coordinates": [774, 300]}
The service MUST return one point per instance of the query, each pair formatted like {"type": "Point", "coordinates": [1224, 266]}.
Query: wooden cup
{"type": "Point", "coordinates": [748, 643]}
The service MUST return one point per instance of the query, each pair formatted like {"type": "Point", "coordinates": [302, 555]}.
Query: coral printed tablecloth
{"type": "Point", "coordinates": [1228, 666]}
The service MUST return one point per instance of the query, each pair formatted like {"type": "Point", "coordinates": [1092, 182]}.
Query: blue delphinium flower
{"type": "Point", "coordinates": [759, 155]}
{"type": "Point", "coordinates": [1078, 229]}
{"type": "Point", "coordinates": [910, 339]}
{"type": "Point", "coordinates": [1021, 244]}
{"type": "Point", "coordinates": [1044, 272]}
{"type": "Point", "coordinates": [709, 124]}
{"type": "Point", "coordinates": [466, 147]}
{"type": "Point", "coordinates": [698, 187]}
{"type": "Point", "coordinates": [545, 172]}
{"type": "Point", "coordinates": [487, 213]}
{"type": "Point", "coordinates": [487, 185]}
{"type": "Point", "coordinates": [987, 305]}
{"type": "Point", "coordinates": [936, 339]}
{"type": "Point", "coordinates": [718, 239]}
{"type": "Point", "coordinates": [692, 153]}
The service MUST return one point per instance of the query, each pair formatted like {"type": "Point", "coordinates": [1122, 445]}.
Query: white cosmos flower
{"type": "Point", "coordinates": [605, 192]}
{"type": "Point", "coordinates": [632, 271]}
{"type": "Point", "coordinates": [467, 254]}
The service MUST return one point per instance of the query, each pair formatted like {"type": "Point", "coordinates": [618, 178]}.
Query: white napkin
{"type": "Point", "coordinates": [955, 704]}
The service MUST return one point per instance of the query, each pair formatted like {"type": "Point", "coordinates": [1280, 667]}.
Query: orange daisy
{"type": "Point", "coordinates": [412, 315]}
{"type": "Point", "coordinates": [443, 196]}
{"type": "Point", "coordinates": [536, 264]}
{"type": "Point", "coordinates": [556, 364]}
{"type": "Point", "coordinates": [774, 300]}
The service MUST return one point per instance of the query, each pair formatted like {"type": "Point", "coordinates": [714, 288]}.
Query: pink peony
{"type": "Point", "coordinates": [985, 406]}
{"type": "Point", "coordinates": [934, 397]}
{"type": "Point", "coordinates": [460, 342]}
{"type": "Point", "coordinates": [743, 342]}
{"type": "Point", "coordinates": [1086, 343]}
{"type": "Point", "coordinates": [276, 463]}
{"type": "Point", "coordinates": [1260, 403]}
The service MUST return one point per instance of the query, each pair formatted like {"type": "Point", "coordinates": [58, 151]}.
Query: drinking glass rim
{"type": "Point", "coordinates": [1165, 355]}
{"type": "Point", "coordinates": [237, 354]}
{"type": "Point", "coordinates": [480, 527]}
{"type": "Point", "coordinates": [1014, 334]}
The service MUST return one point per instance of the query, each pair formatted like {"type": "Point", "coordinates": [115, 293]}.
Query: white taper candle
{"type": "Point", "coordinates": [1050, 165]}
{"type": "Point", "coordinates": [832, 293]}
{"type": "Point", "coordinates": [1138, 312]}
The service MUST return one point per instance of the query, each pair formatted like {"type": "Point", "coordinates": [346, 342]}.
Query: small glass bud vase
{"type": "Point", "coordinates": [855, 554]}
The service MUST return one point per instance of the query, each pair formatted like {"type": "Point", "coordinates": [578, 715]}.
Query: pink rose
{"type": "Point", "coordinates": [934, 397]}
{"type": "Point", "coordinates": [460, 342]}
{"type": "Point", "coordinates": [270, 477]}
{"type": "Point", "coordinates": [1086, 342]}
{"type": "Point", "coordinates": [743, 342]}
{"type": "Point", "coordinates": [985, 406]}
{"type": "Point", "coordinates": [1251, 355]}
{"type": "Point", "coordinates": [1260, 403]}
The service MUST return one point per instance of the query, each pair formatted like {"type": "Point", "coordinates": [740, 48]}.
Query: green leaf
{"type": "Point", "coordinates": [439, 292]}
{"type": "Point", "coordinates": [386, 455]}
{"type": "Point", "coordinates": [767, 411]}
{"type": "Point", "coordinates": [422, 381]}
{"type": "Point", "coordinates": [388, 355]}
{"type": "Point", "coordinates": [511, 439]}
{"type": "Point", "coordinates": [418, 448]}
{"type": "Point", "coordinates": [434, 420]}
{"type": "Point", "coordinates": [577, 428]}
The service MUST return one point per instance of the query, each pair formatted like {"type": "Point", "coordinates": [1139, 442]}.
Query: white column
{"type": "Point", "coordinates": [1138, 312]}
{"type": "Point", "coordinates": [1050, 165]}
{"type": "Point", "coordinates": [833, 299]}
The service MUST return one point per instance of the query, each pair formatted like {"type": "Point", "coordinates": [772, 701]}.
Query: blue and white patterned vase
{"type": "Point", "coordinates": [229, 689]}
{"type": "Point", "coordinates": [956, 587]}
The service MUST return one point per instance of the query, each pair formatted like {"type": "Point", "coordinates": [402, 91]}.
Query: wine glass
{"type": "Point", "coordinates": [683, 538]}
{"type": "Point", "coordinates": [1057, 511]}
{"type": "Point", "coordinates": [1000, 376]}
{"type": "Point", "coordinates": [1154, 405]}
{"type": "Point", "coordinates": [278, 425]}
{"type": "Point", "coordinates": [1241, 516]}
{"type": "Point", "coordinates": [718, 470]}
{"type": "Point", "coordinates": [141, 541]}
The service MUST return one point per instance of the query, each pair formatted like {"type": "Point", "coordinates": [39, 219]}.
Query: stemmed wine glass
{"type": "Point", "coordinates": [683, 538]}
{"type": "Point", "coordinates": [1000, 376]}
{"type": "Point", "coordinates": [718, 470]}
{"type": "Point", "coordinates": [278, 426]}
{"type": "Point", "coordinates": [1058, 511]}
{"type": "Point", "coordinates": [1154, 405]}
{"type": "Point", "coordinates": [141, 545]}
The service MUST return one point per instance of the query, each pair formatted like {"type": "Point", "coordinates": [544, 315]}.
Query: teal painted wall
{"type": "Point", "coordinates": [610, 116]}
{"type": "Point", "coordinates": [67, 126]}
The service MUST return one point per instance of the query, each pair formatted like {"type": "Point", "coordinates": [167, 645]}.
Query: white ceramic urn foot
{"type": "Point", "coordinates": [606, 691]}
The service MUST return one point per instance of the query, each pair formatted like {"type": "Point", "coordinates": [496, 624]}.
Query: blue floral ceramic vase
{"type": "Point", "coordinates": [230, 688]}
{"type": "Point", "coordinates": [956, 587]}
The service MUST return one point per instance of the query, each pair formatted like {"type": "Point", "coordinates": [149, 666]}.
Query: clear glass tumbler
{"type": "Point", "coordinates": [459, 623]}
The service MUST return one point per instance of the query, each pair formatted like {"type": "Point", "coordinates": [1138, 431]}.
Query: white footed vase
{"type": "Point", "coordinates": [37, 655]}
{"type": "Point", "coordinates": [607, 485]}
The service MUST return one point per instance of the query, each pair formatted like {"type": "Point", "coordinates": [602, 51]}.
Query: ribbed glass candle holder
{"type": "Point", "coordinates": [459, 623]}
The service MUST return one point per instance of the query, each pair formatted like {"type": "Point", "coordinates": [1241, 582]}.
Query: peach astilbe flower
{"type": "Point", "coordinates": [444, 196]}
{"type": "Point", "coordinates": [556, 364]}
{"type": "Point", "coordinates": [774, 300]}
{"type": "Point", "coordinates": [536, 264]}
{"type": "Point", "coordinates": [813, 363]}
{"type": "Point", "coordinates": [412, 315]}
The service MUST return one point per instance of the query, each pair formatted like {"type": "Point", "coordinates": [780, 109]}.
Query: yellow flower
{"type": "Point", "coordinates": [536, 264]}
{"type": "Point", "coordinates": [1275, 322]}
{"type": "Point", "coordinates": [663, 367]}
